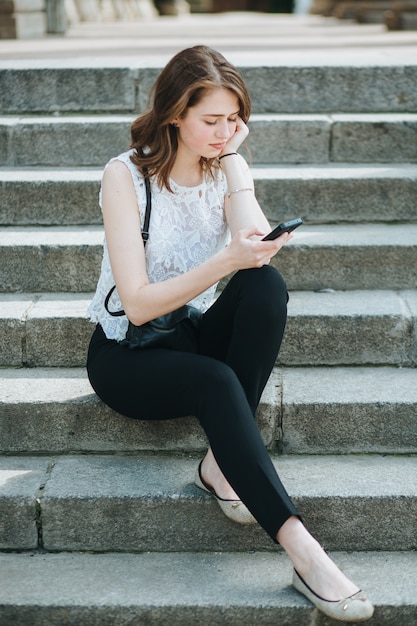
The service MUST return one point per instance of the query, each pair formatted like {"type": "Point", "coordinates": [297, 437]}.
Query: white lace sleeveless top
{"type": "Point", "coordinates": [186, 228]}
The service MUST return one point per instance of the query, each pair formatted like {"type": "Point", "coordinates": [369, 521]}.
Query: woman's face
{"type": "Point", "coordinates": [206, 127]}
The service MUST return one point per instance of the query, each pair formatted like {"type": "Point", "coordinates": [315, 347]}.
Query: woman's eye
{"type": "Point", "coordinates": [210, 123]}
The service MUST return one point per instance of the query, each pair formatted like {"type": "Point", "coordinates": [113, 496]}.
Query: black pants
{"type": "Point", "coordinates": [240, 338]}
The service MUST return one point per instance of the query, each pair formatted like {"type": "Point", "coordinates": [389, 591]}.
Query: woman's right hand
{"type": "Point", "coordinates": [246, 251]}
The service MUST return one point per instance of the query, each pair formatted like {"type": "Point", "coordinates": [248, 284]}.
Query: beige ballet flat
{"type": "Point", "coordinates": [354, 608]}
{"type": "Point", "coordinates": [233, 509]}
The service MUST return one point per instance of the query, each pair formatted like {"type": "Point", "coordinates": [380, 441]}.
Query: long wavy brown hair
{"type": "Point", "coordinates": [182, 84]}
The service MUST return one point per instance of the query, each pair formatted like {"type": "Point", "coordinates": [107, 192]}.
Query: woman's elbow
{"type": "Point", "coordinates": [135, 309]}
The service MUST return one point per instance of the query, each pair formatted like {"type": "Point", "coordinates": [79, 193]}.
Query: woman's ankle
{"type": "Point", "coordinates": [312, 562]}
{"type": "Point", "coordinates": [299, 544]}
{"type": "Point", "coordinates": [214, 477]}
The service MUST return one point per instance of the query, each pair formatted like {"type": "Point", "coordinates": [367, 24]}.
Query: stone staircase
{"type": "Point", "coordinates": [100, 523]}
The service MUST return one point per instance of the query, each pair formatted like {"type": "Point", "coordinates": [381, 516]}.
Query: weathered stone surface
{"type": "Point", "coordinates": [347, 328]}
{"type": "Point", "coordinates": [56, 411]}
{"type": "Point", "coordinates": [74, 142]}
{"type": "Point", "coordinates": [66, 89]}
{"type": "Point", "coordinates": [13, 311]}
{"type": "Point", "coordinates": [346, 484]}
{"type": "Point", "coordinates": [321, 194]}
{"type": "Point", "coordinates": [68, 259]}
{"type": "Point", "coordinates": [324, 410]}
{"type": "Point", "coordinates": [238, 589]}
{"type": "Point", "coordinates": [410, 300]}
{"type": "Point", "coordinates": [57, 331]}
{"type": "Point", "coordinates": [4, 149]}
{"type": "Point", "coordinates": [340, 328]}
{"type": "Point", "coordinates": [349, 410]}
{"type": "Point", "coordinates": [20, 481]}
{"type": "Point", "coordinates": [290, 89]}
{"type": "Point", "coordinates": [374, 256]}
{"type": "Point", "coordinates": [64, 259]}
{"type": "Point", "coordinates": [332, 193]}
{"type": "Point", "coordinates": [377, 138]}
{"type": "Point", "coordinates": [149, 503]}
{"type": "Point", "coordinates": [146, 79]}
{"type": "Point", "coordinates": [324, 89]}
{"type": "Point", "coordinates": [49, 197]}
{"type": "Point", "coordinates": [87, 141]}
{"type": "Point", "coordinates": [289, 139]}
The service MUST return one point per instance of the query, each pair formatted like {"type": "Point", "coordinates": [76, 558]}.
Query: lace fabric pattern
{"type": "Point", "coordinates": [186, 228]}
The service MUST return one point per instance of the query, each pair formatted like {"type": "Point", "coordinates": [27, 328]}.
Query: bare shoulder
{"type": "Point", "coordinates": [116, 169]}
{"type": "Point", "coordinates": [118, 190]}
{"type": "Point", "coordinates": [117, 179]}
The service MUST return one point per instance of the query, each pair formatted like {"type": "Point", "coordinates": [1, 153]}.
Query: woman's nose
{"type": "Point", "coordinates": [222, 130]}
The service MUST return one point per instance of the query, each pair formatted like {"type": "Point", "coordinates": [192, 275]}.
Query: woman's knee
{"type": "Point", "coordinates": [219, 376]}
{"type": "Point", "coordinates": [263, 280]}
{"type": "Point", "coordinates": [265, 291]}
{"type": "Point", "coordinates": [219, 385]}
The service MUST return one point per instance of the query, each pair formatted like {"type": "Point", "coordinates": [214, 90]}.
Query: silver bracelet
{"type": "Point", "coordinates": [239, 190]}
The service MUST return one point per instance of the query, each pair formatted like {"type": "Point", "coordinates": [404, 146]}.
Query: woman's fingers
{"type": "Point", "coordinates": [250, 252]}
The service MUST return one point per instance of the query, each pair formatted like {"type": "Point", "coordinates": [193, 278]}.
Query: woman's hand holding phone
{"type": "Point", "coordinates": [285, 227]}
{"type": "Point", "coordinates": [247, 252]}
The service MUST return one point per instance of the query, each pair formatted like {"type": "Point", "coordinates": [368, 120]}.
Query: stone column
{"type": "Point", "coordinates": [22, 19]}
{"type": "Point", "coordinates": [146, 9]}
{"type": "Point", "coordinates": [172, 7]}
{"type": "Point", "coordinates": [107, 11]}
{"type": "Point", "coordinates": [56, 17]}
{"type": "Point", "coordinates": [71, 12]}
{"type": "Point", "coordinates": [89, 10]}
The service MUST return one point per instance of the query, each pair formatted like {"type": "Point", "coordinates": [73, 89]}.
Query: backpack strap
{"type": "Point", "coordinates": [145, 237]}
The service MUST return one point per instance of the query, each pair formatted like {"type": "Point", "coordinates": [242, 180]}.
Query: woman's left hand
{"type": "Point", "coordinates": [238, 137]}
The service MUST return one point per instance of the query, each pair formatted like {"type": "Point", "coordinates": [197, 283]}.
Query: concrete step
{"type": "Point", "coordinates": [54, 410]}
{"type": "Point", "coordinates": [92, 140]}
{"type": "Point", "coordinates": [148, 502]}
{"type": "Point", "coordinates": [50, 259]}
{"type": "Point", "coordinates": [109, 589]}
{"type": "Point", "coordinates": [327, 193]}
{"type": "Point", "coordinates": [328, 328]}
{"type": "Point", "coordinates": [255, 33]}
{"type": "Point", "coordinates": [276, 83]}
{"type": "Point", "coordinates": [338, 192]}
{"type": "Point", "coordinates": [372, 256]}
{"type": "Point", "coordinates": [49, 197]}
{"type": "Point", "coordinates": [250, 31]}
{"type": "Point", "coordinates": [317, 410]}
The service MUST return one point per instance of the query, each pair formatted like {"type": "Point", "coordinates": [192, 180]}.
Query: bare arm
{"type": "Point", "coordinates": [142, 300]}
{"type": "Point", "coordinates": [241, 206]}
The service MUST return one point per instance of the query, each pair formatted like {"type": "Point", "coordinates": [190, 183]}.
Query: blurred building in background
{"type": "Point", "coordinates": [23, 19]}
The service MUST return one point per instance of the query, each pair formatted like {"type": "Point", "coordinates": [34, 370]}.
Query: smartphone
{"type": "Point", "coordinates": [286, 227]}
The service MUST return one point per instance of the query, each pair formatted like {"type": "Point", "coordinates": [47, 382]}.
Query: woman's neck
{"type": "Point", "coordinates": [187, 170]}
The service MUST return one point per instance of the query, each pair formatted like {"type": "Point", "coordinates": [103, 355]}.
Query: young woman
{"type": "Point", "coordinates": [205, 224]}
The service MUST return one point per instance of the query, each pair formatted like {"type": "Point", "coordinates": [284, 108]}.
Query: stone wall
{"type": "Point", "coordinates": [22, 19]}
